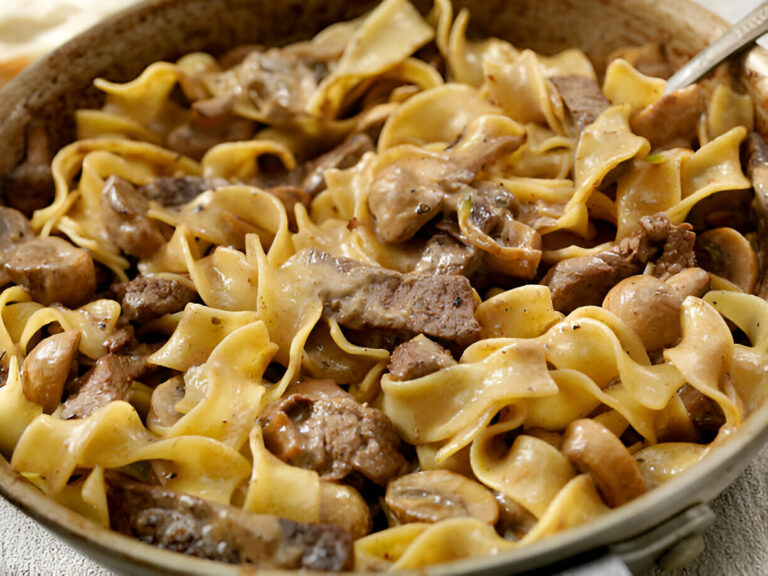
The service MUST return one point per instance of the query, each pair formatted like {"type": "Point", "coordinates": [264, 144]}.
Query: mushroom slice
{"type": "Point", "coordinates": [726, 253]}
{"type": "Point", "coordinates": [47, 367]}
{"type": "Point", "coordinates": [650, 307]}
{"type": "Point", "coordinates": [344, 506]}
{"type": "Point", "coordinates": [693, 281]}
{"type": "Point", "coordinates": [595, 449]}
{"type": "Point", "coordinates": [435, 495]}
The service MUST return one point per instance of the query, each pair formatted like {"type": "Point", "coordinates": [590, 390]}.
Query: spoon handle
{"type": "Point", "coordinates": [741, 34]}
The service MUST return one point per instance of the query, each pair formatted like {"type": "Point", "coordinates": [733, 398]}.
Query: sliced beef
{"type": "Point", "coordinates": [213, 122]}
{"type": "Point", "coordinates": [53, 270]}
{"type": "Point", "coordinates": [757, 170]}
{"type": "Point", "coordinates": [109, 379]}
{"type": "Point", "coordinates": [177, 191]}
{"type": "Point", "coordinates": [418, 357]}
{"type": "Point", "coordinates": [585, 280]}
{"type": "Point", "coordinates": [345, 155]}
{"type": "Point", "coordinates": [582, 97]}
{"type": "Point", "coordinates": [145, 297]}
{"type": "Point", "coordinates": [443, 254]}
{"type": "Point", "coordinates": [200, 528]}
{"type": "Point", "coordinates": [124, 216]}
{"type": "Point", "coordinates": [364, 297]}
{"type": "Point", "coordinates": [318, 426]}
{"type": "Point", "coordinates": [672, 120]}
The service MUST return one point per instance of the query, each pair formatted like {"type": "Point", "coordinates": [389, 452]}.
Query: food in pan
{"type": "Point", "coordinates": [385, 298]}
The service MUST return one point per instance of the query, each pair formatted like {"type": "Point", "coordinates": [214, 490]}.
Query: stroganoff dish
{"type": "Point", "coordinates": [382, 299]}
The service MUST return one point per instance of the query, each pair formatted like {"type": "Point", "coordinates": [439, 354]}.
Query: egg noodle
{"type": "Point", "coordinates": [434, 100]}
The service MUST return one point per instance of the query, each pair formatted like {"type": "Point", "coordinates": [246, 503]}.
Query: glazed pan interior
{"type": "Point", "coordinates": [119, 50]}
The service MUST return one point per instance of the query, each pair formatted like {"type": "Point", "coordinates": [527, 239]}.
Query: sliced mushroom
{"type": "Point", "coordinates": [596, 450]}
{"type": "Point", "coordinates": [435, 495]}
{"type": "Point", "coordinates": [693, 281]}
{"type": "Point", "coordinates": [726, 253]}
{"type": "Point", "coordinates": [47, 368]}
{"type": "Point", "coordinates": [53, 270]}
{"type": "Point", "coordinates": [650, 307]}
{"type": "Point", "coordinates": [515, 521]}
{"type": "Point", "coordinates": [162, 404]}
{"type": "Point", "coordinates": [344, 506]}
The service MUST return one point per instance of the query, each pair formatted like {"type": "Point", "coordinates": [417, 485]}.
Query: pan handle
{"type": "Point", "coordinates": [671, 545]}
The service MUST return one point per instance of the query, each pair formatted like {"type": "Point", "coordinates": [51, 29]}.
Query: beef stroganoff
{"type": "Point", "coordinates": [384, 298]}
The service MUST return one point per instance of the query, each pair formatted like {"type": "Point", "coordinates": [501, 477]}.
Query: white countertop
{"type": "Point", "coordinates": [736, 544]}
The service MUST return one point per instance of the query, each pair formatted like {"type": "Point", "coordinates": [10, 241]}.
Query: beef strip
{"type": "Point", "coordinates": [213, 121]}
{"type": "Point", "coordinates": [345, 155]}
{"type": "Point", "coordinates": [204, 529]}
{"type": "Point", "coordinates": [445, 255]}
{"type": "Point", "coordinates": [582, 97]}
{"type": "Point", "coordinates": [14, 230]}
{"type": "Point", "coordinates": [366, 297]}
{"type": "Point", "coordinates": [145, 297]}
{"type": "Point", "coordinates": [318, 426]}
{"type": "Point", "coordinates": [418, 357]}
{"type": "Point", "coordinates": [177, 191]}
{"type": "Point", "coordinates": [124, 216]}
{"type": "Point", "coordinates": [109, 380]}
{"type": "Point", "coordinates": [757, 170]}
{"type": "Point", "coordinates": [52, 270]}
{"type": "Point", "coordinates": [672, 120]}
{"type": "Point", "coordinates": [585, 280]}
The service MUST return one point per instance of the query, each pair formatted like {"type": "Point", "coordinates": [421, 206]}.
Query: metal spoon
{"type": "Point", "coordinates": [739, 36]}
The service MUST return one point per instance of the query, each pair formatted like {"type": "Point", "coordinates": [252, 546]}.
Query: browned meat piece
{"type": "Point", "coordinates": [445, 255]}
{"type": "Point", "coordinates": [53, 270]}
{"type": "Point", "coordinates": [757, 170]}
{"type": "Point", "coordinates": [122, 337]}
{"type": "Point", "coordinates": [345, 155]}
{"type": "Point", "coordinates": [318, 426]}
{"type": "Point", "coordinates": [585, 280]}
{"type": "Point", "coordinates": [145, 298]}
{"type": "Point", "coordinates": [30, 185]}
{"type": "Point", "coordinates": [172, 192]}
{"type": "Point", "coordinates": [204, 529]}
{"type": "Point", "coordinates": [212, 122]}
{"type": "Point", "coordinates": [582, 97]}
{"type": "Point", "coordinates": [108, 380]}
{"type": "Point", "coordinates": [672, 120]}
{"type": "Point", "coordinates": [124, 215]}
{"type": "Point", "coordinates": [364, 297]}
{"type": "Point", "coordinates": [418, 357]}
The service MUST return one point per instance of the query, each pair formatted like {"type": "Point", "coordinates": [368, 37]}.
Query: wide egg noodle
{"type": "Point", "coordinates": [95, 321]}
{"type": "Point", "coordinates": [387, 36]}
{"type": "Point", "coordinates": [523, 312]}
{"type": "Point", "coordinates": [114, 436]}
{"type": "Point", "coordinates": [278, 488]}
{"type": "Point", "coordinates": [16, 411]}
{"type": "Point", "coordinates": [728, 109]}
{"type": "Point", "coordinates": [531, 473]}
{"type": "Point", "coordinates": [224, 395]}
{"type": "Point", "coordinates": [12, 325]}
{"type": "Point", "coordinates": [623, 84]}
{"type": "Point", "coordinates": [604, 145]}
{"type": "Point", "coordinates": [467, 393]}
{"type": "Point", "coordinates": [703, 355]}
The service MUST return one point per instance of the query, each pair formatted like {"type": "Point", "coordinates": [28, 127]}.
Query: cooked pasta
{"type": "Point", "coordinates": [385, 298]}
